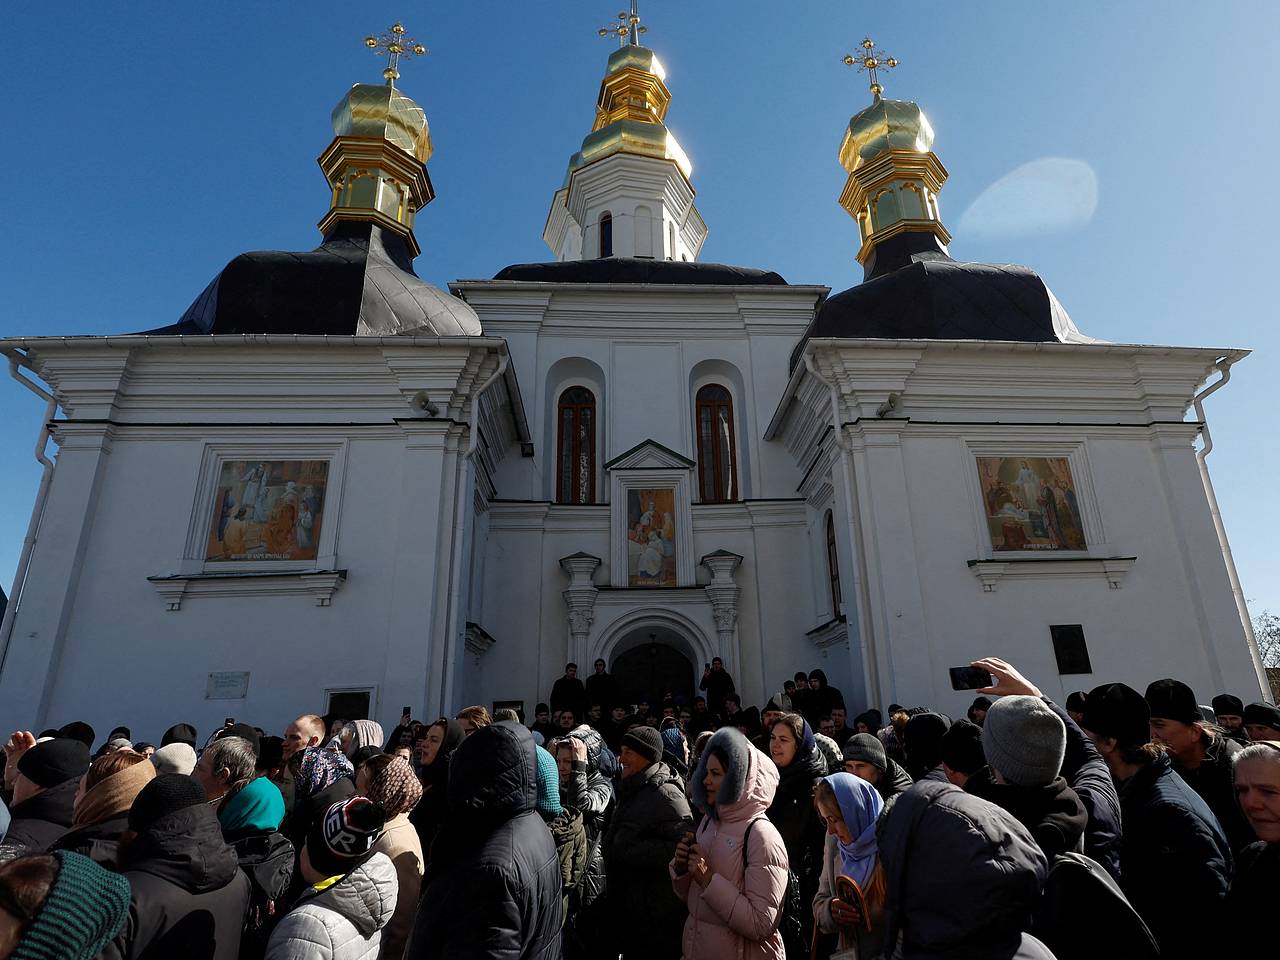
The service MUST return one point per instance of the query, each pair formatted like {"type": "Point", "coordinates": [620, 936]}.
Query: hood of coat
{"type": "Point", "coordinates": [656, 774]}
{"type": "Point", "coordinates": [805, 768]}
{"type": "Point", "coordinates": [595, 743]}
{"type": "Point", "coordinates": [962, 875]}
{"type": "Point", "coordinates": [56, 804]}
{"type": "Point", "coordinates": [366, 896]}
{"type": "Point", "coordinates": [1053, 808]}
{"type": "Point", "coordinates": [185, 848]}
{"type": "Point", "coordinates": [493, 776]}
{"type": "Point", "coordinates": [750, 779]}
{"type": "Point", "coordinates": [896, 780]}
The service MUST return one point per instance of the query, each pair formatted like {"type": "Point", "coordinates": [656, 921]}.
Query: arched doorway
{"type": "Point", "coordinates": [653, 667]}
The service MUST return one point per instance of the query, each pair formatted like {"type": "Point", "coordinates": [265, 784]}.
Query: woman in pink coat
{"type": "Point", "coordinates": [734, 907]}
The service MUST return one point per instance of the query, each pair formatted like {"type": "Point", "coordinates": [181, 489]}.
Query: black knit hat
{"type": "Point", "coordinates": [271, 752]}
{"type": "Point", "coordinates": [866, 748]}
{"type": "Point", "coordinates": [53, 762]}
{"type": "Point", "coordinates": [922, 740]}
{"type": "Point", "coordinates": [78, 730]}
{"type": "Point", "coordinates": [1171, 699]}
{"type": "Point", "coordinates": [1118, 711]}
{"type": "Point", "coordinates": [645, 741]}
{"type": "Point", "coordinates": [1225, 705]}
{"type": "Point", "coordinates": [1263, 715]}
{"type": "Point", "coordinates": [343, 838]}
{"type": "Point", "coordinates": [244, 732]}
{"type": "Point", "coordinates": [166, 794]}
{"type": "Point", "coordinates": [86, 906]}
{"type": "Point", "coordinates": [179, 733]}
{"type": "Point", "coordinates": [772, 705]}
{"type": "Point", "coordinates": [1075, 701]}
{"type": "Point", "coordinates": [122, 733]}
{"type": "Point", "coordinates": [962, 747]}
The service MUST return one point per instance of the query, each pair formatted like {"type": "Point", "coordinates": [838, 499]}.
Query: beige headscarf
{"type": "Point", "coordinates": [113, 796]}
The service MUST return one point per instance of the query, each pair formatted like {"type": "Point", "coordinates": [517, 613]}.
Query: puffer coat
{"type": "Point", "coordinates": [343, 921]}
{"type": "Point", "coordinates": [736, 916]}
{"type": "Point", "coordinates": [590, 792]}
{"type": "Point", "coordinates": [492, 888]}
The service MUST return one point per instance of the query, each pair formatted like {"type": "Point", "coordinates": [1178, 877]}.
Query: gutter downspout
{"type": "Point", "coordinates": [37, 514]}
{"type": "Point", "coordinates": [461, 529]}
{"type": "Point", "coordinates": [1224, 367]}
{"type": "Point", "coordinates": [871, 682]}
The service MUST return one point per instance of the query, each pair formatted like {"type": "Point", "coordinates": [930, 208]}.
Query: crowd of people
{"type": "Point", "coordinates": [1120, 824]}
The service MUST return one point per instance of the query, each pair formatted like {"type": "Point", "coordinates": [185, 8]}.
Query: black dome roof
{"type": "Point", "coordinates": [916, 291]}
{"type": "Point", "coordinates": [358, 282]}
{"type": "Point", "coordinates": [638, 270]}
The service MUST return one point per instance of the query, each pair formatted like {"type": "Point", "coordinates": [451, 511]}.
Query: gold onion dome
{"type": "Point", "coordinates": [382, 112]}
{"type": "Point", "coordinates": [885, 125]}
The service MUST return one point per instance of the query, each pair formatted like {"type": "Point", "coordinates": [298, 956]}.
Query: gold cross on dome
{"type": "Point", "coordinates": [396, 45]}
{"type": "Point", "coordinates": [871, 60]}
{"type": "Point", "coordinates": [627, 29]}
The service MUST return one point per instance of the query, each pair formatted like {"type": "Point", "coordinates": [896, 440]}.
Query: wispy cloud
{"type": "Point", "coordinates": [1049, 195]}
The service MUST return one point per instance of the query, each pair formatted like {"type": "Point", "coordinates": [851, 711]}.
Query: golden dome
{"type": "Point", "coordinates": [885, 125]}
{"type": "Point", "coordinates": [382, 112]}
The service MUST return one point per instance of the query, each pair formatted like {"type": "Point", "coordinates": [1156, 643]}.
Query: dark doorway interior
{"type": "Point", "coordinates": [652, 670]}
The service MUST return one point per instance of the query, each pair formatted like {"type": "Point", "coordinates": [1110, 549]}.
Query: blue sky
{"type": "Point", "coordinates": [162, 139]}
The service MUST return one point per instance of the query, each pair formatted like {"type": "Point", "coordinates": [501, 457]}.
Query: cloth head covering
{"type": "Point", "coordinates": [86, 906]}
{"type": "Point", "coordinates": [1224, 704]}
{"type": "Point", "coordinates": [78, 730]}
{"type": "Point", "coordinates": [548, 803]}
{"type": "Point", "coordinates": [320, 769]}
{"type": "Point", "coordinates": [396, 788]}
{"type": "Point", "coordinates": [176, 757]}
{"type": "Point", "coordinates": [344, 837]}
{"type": "Point", "coordinates": [53, 762]}
{"type": "Point", "coordinates": [179, 733]}
{"type": "Point", "coordinates": [164, 795]}
{"type": "Point", "coordinates": [860, 806]}
{"type": "Point", "coordinates": [112, 797]}
{"type": "Point", "coordinates": [364, 733]}
{"type": "Point", "coordinates": [258, 808]}
{"type": "Point", "coordinates": [962, 747]}
{"type": "Point", "coordinates": [436, 773]}
{"type": "Point", "coordinates": [1263, 714]}
{"type": "Point", "coordinates": [866, 748]}
{"type": "Point", "coordinates": [1024, 740]}
{"type": "Point", "coordinates": [1118, 711]}
{"type": "Point", "coordinates": [645, 741]}
{"type": "Point", "coordinates": [673, 743]}
{"type": "Point", "coordinates": [738, 749]}
{"type": "Point", "coordinates": [1173, 700]}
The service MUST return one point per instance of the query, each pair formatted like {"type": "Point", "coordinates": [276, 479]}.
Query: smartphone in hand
{"type": "Point", "coordinates": [970, 678]}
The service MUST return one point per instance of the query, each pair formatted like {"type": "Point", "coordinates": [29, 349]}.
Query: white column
{"type": "Point", "coordinates": [723, 593]}
{"type": "Point", "coordinates": [580, 599]}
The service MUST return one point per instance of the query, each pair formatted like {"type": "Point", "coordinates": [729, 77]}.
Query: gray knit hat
{"type": "Point", "coordinates": [1024, 740]}
{"type": "Point", "coordinates": [867, 749]}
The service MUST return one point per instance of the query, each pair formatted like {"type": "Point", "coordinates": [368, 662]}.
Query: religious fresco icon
{"type": "Point", "coordinates": [267, 510]}
{"type": "Point", "coordinates": [1030, 503]}
{"type": "Point", "coordinates": [651, 537]}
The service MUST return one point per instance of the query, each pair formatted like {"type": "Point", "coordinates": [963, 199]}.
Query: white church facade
{"type": "Point", "coordinates": [332, 487]}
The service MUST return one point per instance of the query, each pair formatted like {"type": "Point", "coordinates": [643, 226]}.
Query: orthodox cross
{"type": "Point", "coordinates": [871, 60]}
{"type": "Point", "coordinates": [396, 45]}
{"type": "Point", "coordinates": [627, 29]}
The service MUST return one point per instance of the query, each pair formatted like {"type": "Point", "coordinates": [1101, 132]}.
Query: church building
{"type": "Point", "coordinates": [332, 487]}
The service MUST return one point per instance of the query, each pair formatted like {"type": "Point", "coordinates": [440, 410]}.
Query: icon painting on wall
{"type": "Point", "coordinates": [1030, 503]}
{"type": "Point", "coordinates": [267, 510]}
{"type": "Point", "coordinates": [651, 537]}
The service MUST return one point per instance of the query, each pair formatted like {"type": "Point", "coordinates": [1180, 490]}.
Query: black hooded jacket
{"type": "Point", "coordinates": [492, 887]}
{"type": "Point", "coordinates": [189, 896]}
{"type": "Point", "coordinates": [97, 841]}
{"type": "Point", "coordinates": [1053, 813]}
{"type": "Point", "coordinates": [40, 820]}
{"type": "Point", "coordinates": [802, 830]}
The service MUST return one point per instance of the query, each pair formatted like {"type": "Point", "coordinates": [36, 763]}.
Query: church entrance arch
{"type": "Point", "coordinates": [652, 653]}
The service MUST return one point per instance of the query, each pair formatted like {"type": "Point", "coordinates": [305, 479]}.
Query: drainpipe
{"type": "Point", "coordinates": [461, 526]}
{"type": "Point", "coordinates": [871, 682]}
{"type": "Point", "coordinates": [37, 514]}
{"type": "Point", "coordinates": [1224, 367]}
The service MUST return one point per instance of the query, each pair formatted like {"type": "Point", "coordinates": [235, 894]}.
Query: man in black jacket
{"type": "Point", "coordinates": [602, 688]}
{"type": "Point", "coordinates": [651, 817]}
{"type": "Point", "coordinates": [717, 684]}
{"type": "Point", "coordinates": [1175, 863]}
{"type": "Point", "coordinates": [44, 791]}
{"type": "Point", "coordinates": [492, 887]}
{"type": "Point", "coordinates": [1201, 757]}
{"type": "Point", "coordinates": [189, 897]}
{"type": "Point", "coordinates": [568, 693]}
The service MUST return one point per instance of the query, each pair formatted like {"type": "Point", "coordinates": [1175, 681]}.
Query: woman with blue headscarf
{"type": "Point", "coordinates": [849, 807]}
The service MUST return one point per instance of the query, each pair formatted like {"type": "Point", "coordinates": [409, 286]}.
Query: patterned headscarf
{"type": "Point", "coordinates": [320, 769]}
{"type": "Point", "coordinates": [396, 787]}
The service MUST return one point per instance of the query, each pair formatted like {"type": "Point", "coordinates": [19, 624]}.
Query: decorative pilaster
{"type": "Point", "coordinates": [723, 593]}
{"type": "Point", "coordinates": [580, 599]}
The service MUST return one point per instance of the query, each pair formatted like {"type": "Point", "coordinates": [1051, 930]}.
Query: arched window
{"type": "Point", "coordinates": [576, 446]}
{"type": "Point", "coordinates": [717, 456]}
{"type": "Point", "coordinates": [606, 235]}
{"type": "Point", "coordinates": [833, 565]}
